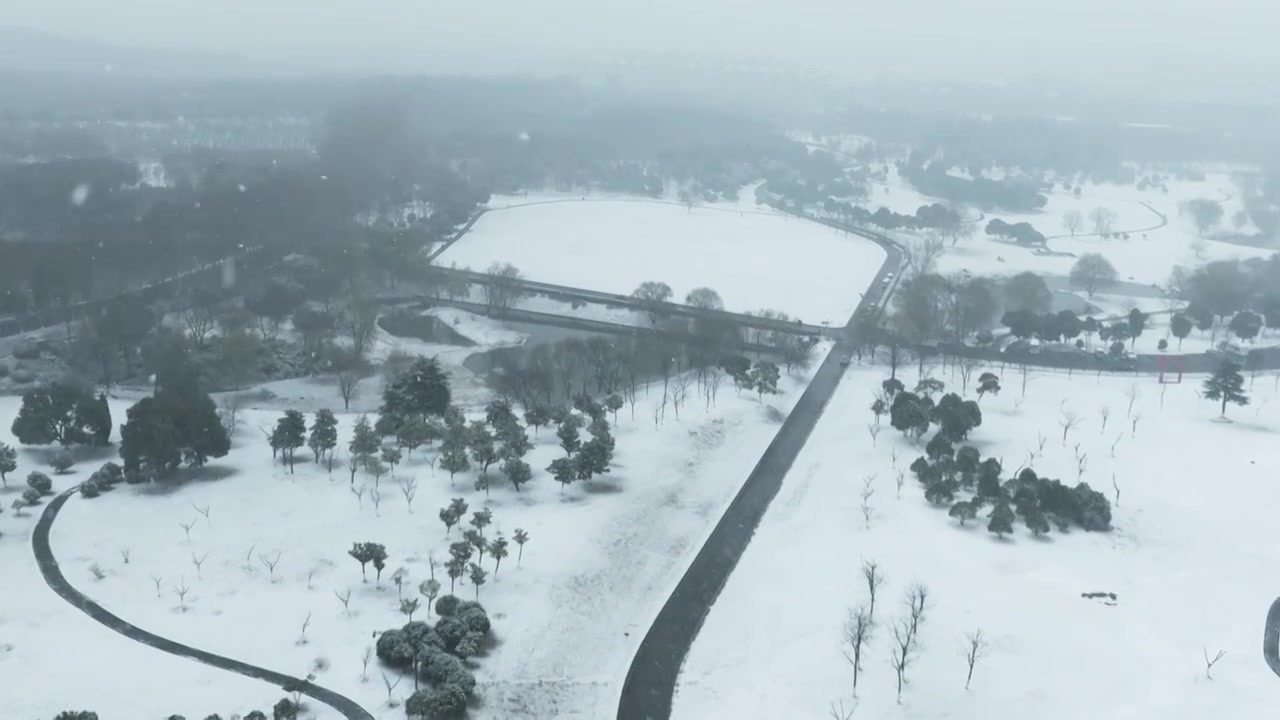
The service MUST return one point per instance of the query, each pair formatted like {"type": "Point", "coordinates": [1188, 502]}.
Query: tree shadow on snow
{"type": "Point", "coordinates": [186, 476]}
{"type": "Point", "coordinates": [609, 486]}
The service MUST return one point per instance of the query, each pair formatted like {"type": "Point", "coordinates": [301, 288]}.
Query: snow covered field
{"type": "Point", "coordinates": [601, 559]}
{"type": "Point", "coordinates": [755, 260]}
{"type": "Point", "coordinates": [1192, 559]}
{"type": "Point", "coordinates": [1146, 257]}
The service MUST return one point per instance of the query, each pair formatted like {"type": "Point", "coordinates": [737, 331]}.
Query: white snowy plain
{"type": "Point", "coordinates": [755, 260]}
{"type": "Point", "coordinates": [601, 559]}
{"type": "Point", "coordinates": [1192, 559]}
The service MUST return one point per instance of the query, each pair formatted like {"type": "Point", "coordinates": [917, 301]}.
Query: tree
{"type": "Point", "coordinates": [40, 482]}
{"type": "Point", "coordinates": [594, 457]}
{"type": "Point", "coordinates": [290, 434]}
{"type": "Point", "coordinates": [536, 417]}
{"type": "Point", "coordinates": [956, 418]}
{"type": "Point", "coordinates": [1227, 385]}
{"type": "Point", "coordinates": [8, 462]}
{"type": "Point", "coordinates": [364, 553]}
{"type": "Point", "coordinates": [364, 444]}
{"type": "Point", "coordinates": [477, 577]}
{"type": "Point", "coordinates": [1036, 521]}
{"type": "Point", "coordinates": [1093, 272]}
{"type": "Point", "coordinates": [447, 701]}
{"type": "Point", "coordinates": [1245, 325]}
{"type": "Point", "coordinates": [422, 391]}
{"type": "Point", "coordinates": [569, 435]}
{"type": "Point", "coordinates": [60, 413]}
{"type": "Point", "coordinates": [909, 414]}
{"type": "Point", "coordinates": [483, 450]}
{"type": "Point", "coordinates": [988, 383]}
{"type": "Point", "coordinates": [1180, 325]}
{"type": "Point", "coordinates": [856, 633]}
{"type": "Point", "coordinates": [963, 510]}
{"type": "Point", "coordinates": [416, 432]}
{"type": "Point", "coordinates": [1027, 291]}
{"type": "Point", "coordinates": [521, 537]}
{"type": "Point", "coordinates": [497, 551]}
{"type": "Point", "coordinates": [563, 471]}
{"type": "Point", "coordinates": [517, 471]}
{"type": "Point", "coordinates": [61, 461]}
{"type": "Point", "coordinates": [359, 325]}
{"type": "Point", "coordinates": [392, 456]}
{"type": "Point", "coordinates": [178, 424]}
{"type": "Point", "coordinates": [502, 286]}
{"type": "Point", "coordinates": [764, 378]}
{"type": "Point", "coordinates": [704, 298]}
{"type": "Point", "coordinates": [1103, 220]}
{"type": "Point", "coordinates": [324, 435]}
{"type": "Point", "coordinates": [1072, 221]}
{"type": "Point", "coordinates": [923, 253]}
{"type": "Point", "coordinates": [1001, 522]}
{"type": "Point", "coordinates": [1205, 213]}
{"type": "Point", "coordinates": [658, 292]}
{"type": "Point", "coordinates": [975, 649]}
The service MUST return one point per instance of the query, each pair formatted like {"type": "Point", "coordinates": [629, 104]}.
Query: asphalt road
{"type": "Point", "coordinates": [650, 684]}
{"type": "Point", "coordinates": [58, 582]}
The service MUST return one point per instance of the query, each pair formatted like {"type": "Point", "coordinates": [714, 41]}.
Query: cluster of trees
{"type": "Point", "coordinates": [438, 656]}
{"type": "Point", "coordinates": [285, 709]}
{"type": "Point", "coordinates": [1022, 233]}
{"type": "Point", "coordinates": [945, 220]}
{"type": "Point", "coordinates": [932, 307]}
{"type": "Point", "coordinates": [1065, 325]}
{"type": "Point", "coordinates": [1010, 195]}
{"type": "Point", "coordinates": [63, 413]}
{"type": "Point", "coordinates": [913, 413]}
{"type": "Point", "coordinates": [945, 471]}
{"type": "Point", "coordinates": [178, 424]}
{"type": "Point", "coordinates": [1245, 292]}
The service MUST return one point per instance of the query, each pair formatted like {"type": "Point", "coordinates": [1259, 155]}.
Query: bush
{"type": "Point", "coordinates": [451, 630]}
{"type": "Point", "coordinates": [76, 715]}
{"type": "Point", "coordinates": [112, 472]}
{"type": "Point", "coordinates": [1094, 510]}
{"type": "Point", "coordinates": [286, 709]}
{"type": "Point", "coordinates": [476, 620]}
{"type": "Point", "coordinates": [133, 476]}
{"type": "Point", "coordinates": [90, 488]}
{"type": "Point", "coordinates": [62, 461]}
{"type": "Point", "coordinates": [469, 646]}
{"type": "Point", "coordinates": [22, 376]}
{"type": "Point", "coordinates": [447, 605]}
{"type": "Point", "coordinates": [31, 496]}
{"type": "Point", "coordinates": [446, 702]}
{"type": "Point", "coordinates": [40, 482]}
{"type": "Point", "coordinates": [394, 649]}
{"type": "Point", "coordinates": [256, 715]}
{"type": "Point", "coordinates": [437, 665]}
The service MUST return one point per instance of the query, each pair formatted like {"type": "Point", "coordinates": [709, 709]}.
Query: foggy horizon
{"type": "Point", "coordinates": [985, 41]}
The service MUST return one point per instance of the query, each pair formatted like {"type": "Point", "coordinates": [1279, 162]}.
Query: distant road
{"type": "Point", "coordinates": [650, 684]}
{"type": "Point", "coordinates": [54, 578]}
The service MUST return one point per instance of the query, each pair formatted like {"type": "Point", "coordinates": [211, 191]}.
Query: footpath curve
{"type": "Point", "coordinates": [650, 684]}
{"type": "Point", "coordinates": [1271, 638]}
{"type": "Point", "coordinates": [54, 578]}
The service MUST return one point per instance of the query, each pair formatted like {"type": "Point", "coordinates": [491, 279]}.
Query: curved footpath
{"type": "Point", "coordinates": [58, 582]}
{"type": "Point", "coordinates": [649, 687]}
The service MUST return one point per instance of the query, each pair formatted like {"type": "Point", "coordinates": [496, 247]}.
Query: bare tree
{"type": "Point", "coordinates": [200, 315]}
{"type": "Point", "coordinates": [679, 392]}
{"type": "Point", "coordinates": [502, 286]}
{"type": "Point", "coordinates": [270, 565]}
{"type": "Point", "coordinates": [901, 649]}
{"type": "Point", "coordinates": [1072, 221]}
{"type": "Point", "coordinates": [1103, 220]}
{"type": "Point", "coordinates": [1116, 487]}
{"type": "Point", "coordinates": [1131, 393]}
{"type": "Point", "coordinates": [838, 711]}
{"type": "Point", "coordinates": [229, 413]}
{"type": "Point", "coordinates": [409, 486]}
{"type": "Point", "coordinates": [186, 529]}
{"type": "Point", "coordinates": [1104, 412]}
{"type": "Point", "coordinates": [975, 648]}
{"type": "Point", "coordinates": [867, 492]}
{"type": "Point", "coordinates": [348, 379]}
{"type": "Point", "coordinates": [360, 325]}
{"type": "Point", "coordinates": [1208, 664]}
{"type": "Point", "coordinates": [856, 633]}
{"type": "Point", "coordinates": [871, 573]}
{"type": "Point", "coordinates": [181, 590]}
{"type": "Point", "coordinates": [917, 601]}
{"type": "Point", "coordinates": [875, 431]}
{"type": "Point", "coordinates": [199, 563]}
{"type": "Point", "coordinates": [923, 253]}
{"type": "Point", "coordinates": [1068, 420]}
{"type": "Point", "coordinates": [966, 366]}
{"type": "Point", "coordinates": [345, 599]}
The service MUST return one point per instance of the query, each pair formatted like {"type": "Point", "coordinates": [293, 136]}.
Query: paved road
{"type": "Point", "coordinates": [650, 684]}
{"type": "Point", "coordinates": [58, 582]}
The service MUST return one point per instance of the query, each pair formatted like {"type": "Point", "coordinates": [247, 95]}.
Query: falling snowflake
{"type": "Point", "coordinates": [80, 194]}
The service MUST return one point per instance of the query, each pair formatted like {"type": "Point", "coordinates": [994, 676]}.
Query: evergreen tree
{"type": "Point", "coordinates": [8, 462]}
{"type": "Point", "coordinates": [515, 441]}
{"type": "Point", "coordinates": [364, 443]}
{"type": "Point", "coordinates": [1180, 325]}
{"type": "Point", "coordinates": [764, 378]}
{"type": "Point", "coordinates": [414, 433]}
{"type": "Point", "coordinates": [178, 424]}
{"type": "Point", "coordinates": [59, 413]}
{"type": "Point", "coordinates": [1226, 385]}
{"type": "Point", "coordinates": [98, 421]}
{"type": "Point", "coordinates": [963, 511]}
{"type": "Point", "coordinates": [392, 456]}
{"type": "Point", "coordinates": [477, 577]}
{"type": "Point", "coordinates": [535, 417]}
{"type": "Point", "coordinates": [988, 383]}
{"type": "Point", "coordinates": [453, 457]}
{"type": "Point", "coordinates": [1001, 522]}
{"type": "Point", "coordinates": [483, 450]}
{"type": "Point", "coordinates": [1035, 520]}
{"type": "Point", "coordinates": [593, 459]}
{"type": "Point", "coordinates": [290, 434]}
{"type": "Point", "coordinates": [517, 471]}
{"type": "Point", "coordinates": [568, 434]}
{"type": "Point", "coordinates": [563, 471]}
{"type": "Point", "coordinates": [614, 403]}
{"type": "Point", "coordinates": [498, 414]}
{"type": "Point", "coordinates": [521, 537]}
{"type": "Point", "coordinates": [324, 435]}
{"type": "Point", "coordinates": [421, 391]}
{"type": "Point", "coordinates": [497, 551]}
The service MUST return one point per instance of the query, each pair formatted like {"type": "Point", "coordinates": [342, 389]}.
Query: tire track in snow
{"type": "Point", "coordinates": [56, 581]}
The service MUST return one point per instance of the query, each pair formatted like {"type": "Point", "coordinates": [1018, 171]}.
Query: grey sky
{"type": "Point", "coordinates": [990, 39]}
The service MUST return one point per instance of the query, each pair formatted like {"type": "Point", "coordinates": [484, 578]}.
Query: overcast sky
{"type": "Point", "coordinates": [986, 39]}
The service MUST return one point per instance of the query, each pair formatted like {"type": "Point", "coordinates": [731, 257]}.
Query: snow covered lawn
{"type": "Point", "coordinates": [1192, 559]}
{"type": "Point", "coordinates": [601, 559]}
{"type": "Point", "coordinates": [754, 260]}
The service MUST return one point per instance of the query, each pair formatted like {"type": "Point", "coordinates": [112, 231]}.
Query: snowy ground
{"type": "Point", "coordinates": [601, 559]}
{"type": "Point", "coordinates": [1192, 559]}
{"type": "Point", "coordinates": [755, 260]}
{"type": "Point", "coordinates": [1146, 257]}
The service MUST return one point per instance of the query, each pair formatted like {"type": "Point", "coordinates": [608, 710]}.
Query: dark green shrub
{"type": "Point", "coordinates": [40, 482]}
{"type": "Point", "coordinates": [451, 630]}
{"type": "Point", "coordinates": [393, 648]}
{"type": "Point", "coordinates": [447, 605]}
{"type": "Point", "coordinates": [476, 620]}
{"type": "Point", "coordinates": [90, 488]}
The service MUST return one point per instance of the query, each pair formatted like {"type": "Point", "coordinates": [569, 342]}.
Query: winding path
{"type": "Point", "coordinates": [650, 684]}
{"type": "Point", "coordinates": [58, 582]}
{"type": "Point", "coordinates": [1271, 638]}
